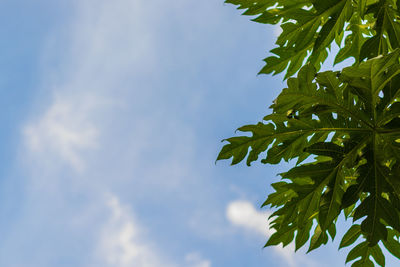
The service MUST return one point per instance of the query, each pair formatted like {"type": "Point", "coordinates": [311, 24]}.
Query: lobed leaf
{"type": "Point", "coordinates": [349, 120]}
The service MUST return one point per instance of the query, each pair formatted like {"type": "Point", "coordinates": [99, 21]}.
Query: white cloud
{"type": "Point", "coordinates": [63, 131]}
{"type": "Point", "coordinates": [103, 54]}
{"type": "Point", "coordinates": [120, 242]}
{"type": "Point", "coordinates": [243, 214]}
{"type": "Point", "coordinates": [195, 260]}
{"type": "Point", "coordinates": [103, 100]}
{"type": "Point", "coordinates": [99, 86]}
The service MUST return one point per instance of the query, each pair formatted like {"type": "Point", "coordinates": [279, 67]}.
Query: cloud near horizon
{"type": "Point", "coordinates": [243, 214]}
{"type": "Point", "coordinates": [121, 245]}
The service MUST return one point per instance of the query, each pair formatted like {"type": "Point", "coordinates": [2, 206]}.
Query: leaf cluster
{"type": "Point", "coordinates": [362, 28]}
{"type": "Point", "coordinates": [346, 123]}
{"type": "Point", "coordinates": [349, 121]}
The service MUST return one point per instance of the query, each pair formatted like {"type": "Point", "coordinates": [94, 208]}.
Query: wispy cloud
{"type": "Point", "coordinates": [101, 119]}
{"type": "Point", "coordinates": [121, 245]}
{"type": "Point", "coordinates": [112, 121]}
{"type": "Point", "coordinates": [243, 214]}
{"type": "Point", "coordinates": [62, 132]}
{"type": "Point", "coordinates": [196, 260]}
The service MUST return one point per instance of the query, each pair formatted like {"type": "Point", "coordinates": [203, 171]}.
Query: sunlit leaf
{"type": "Point", "coordinates": [344, 124]}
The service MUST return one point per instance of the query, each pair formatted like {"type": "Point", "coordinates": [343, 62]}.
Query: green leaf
{"type": "Point", "coordinates": [334, 27]}
{"type": "Point", "coordinates": [392, 244]}
{"type": "Point", "coordinates": [354, 41]}
{"type": "Point", "coordinates": [348, 121]}
{"type": "Point", "coordinates": [378, 256]}
{"type": "Point", "coordinates": [320, 237]}
{"type": "Point", "coordinates": [303, 235]}
{"type": "Point", "coordinates": [362, 4]}
{"type": "Point", "coordinates": [372, 227]}
{"type": "Point", "coordinates": [330, 201]}
{"type": "Point", "coordinates": [282, 195]}
{"type": "Point", "coordinates": [284, 57]}
{"type": "Point", "coordinates": [284, 236]}
{"type": "Point", "coordinates": [363, 263]}
{"type": "Point", "coordinates": [364, 251]}
{"type": "Point", "coordinates": [328, 149]}
{"type": "Point", "coordinates": [332, 231]}
{"type": "Point", "coordinates": [361, 250]}
{"type": "Point", "coordinates": [351, 236]}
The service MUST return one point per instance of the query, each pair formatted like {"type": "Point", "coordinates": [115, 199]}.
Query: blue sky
{"type": "Point", "coordinates": [112, 116]}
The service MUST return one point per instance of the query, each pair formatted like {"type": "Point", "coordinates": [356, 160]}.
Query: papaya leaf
{"type": "Point", "coordinates": [310, 27]}
{"type": "Point", "coordinates": [364, 252]}
{"type": "Point", "coordinates": [346, 123]}
{"type": "Point", "coordinates": [351, 236]}
{"type": "Point", "coordinates": [392, 243]}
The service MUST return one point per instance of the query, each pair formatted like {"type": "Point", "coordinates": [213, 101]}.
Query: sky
{"type": "Point", "coordinates": [112, 116]}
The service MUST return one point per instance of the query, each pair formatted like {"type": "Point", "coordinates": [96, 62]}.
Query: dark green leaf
{"type": "Point", "coordinates": [348, 120]}
{"type": "Point", "coordinates": [320, 237]}
{"type": "Point", "coordinates": [351, 236]}
{"type": "Point", "coordinates": [392, 244]}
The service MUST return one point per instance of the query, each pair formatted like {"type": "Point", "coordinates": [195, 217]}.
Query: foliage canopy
{"type": "Point", "coordinates": [349, 120]}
